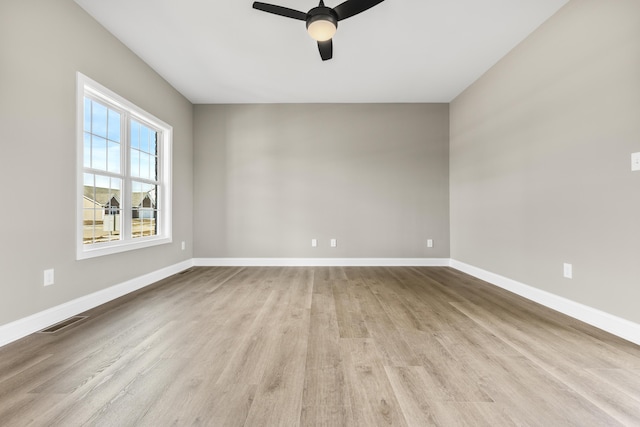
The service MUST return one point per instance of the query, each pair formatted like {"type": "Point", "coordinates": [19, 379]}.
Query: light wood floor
{"type": "Point", "coordinates": [321, 346]}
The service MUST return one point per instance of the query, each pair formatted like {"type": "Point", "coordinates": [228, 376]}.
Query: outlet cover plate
{"type": "Point", "coordinates": [635, 161]}
{"type": "Point", "coordinates": [48, 277]}
{"type": "Point", "coordinates": [568, 270]}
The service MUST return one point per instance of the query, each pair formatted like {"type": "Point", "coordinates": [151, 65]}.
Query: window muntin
{"type": "Point", "coordinates": [124, 174]}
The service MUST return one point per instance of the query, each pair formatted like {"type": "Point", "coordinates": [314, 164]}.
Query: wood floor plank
{"type": "Point", "coordinates": [248, 362]}
{"type": "Point", "coordinates": [400, 312]}
{"type": "Point", "coordinates": [373, 401]}
{"type": "Point", "coordinates": [554, 403]}
{"type": "Point", "coordinates": [422, 406]}
{"type": "Point", "coordinates": [204, 404]}
{"type": "Point", "coordinates": [428, 299]}
{"type": "Point", "coordinates": [94, 398]}
{"type": "Point", "coordinates": [410, 385]}
{"type": "Point", "coordinates": [278, 400]}
{"type": "Point", "coordinates": [325, 387]}
{"type": "Point", "coordinates": [16, 397]}
{"type": "Point", "coordinates": [326, 416]}
{"type": "Point", "coordinates": [348, 311]}
{"type": "Point", "coordinates": [625, 380]}
{"type": "Point", "coordinates": [22, 410]}
{"type": "Point", "coordinates": [570, 373]}
{"type": "Point", "coordinates": [14, 364]}
{"type": "Point", "coordinates": [324, 334]}
{"type": "Point", "coordinates": [135, 398]}
{"type": "Point", "coordinates": [523, 335]}
{"type": "Point", "coordinates": [473, 414]}
{"type": "Point", "coordinates": [448, 375]}
{"type": "Point", "coordinates": [474, 339]}
{"type": "Point", "coordinates": [321, 346]}
{"type": "Point", "coordinates": [391, 346]}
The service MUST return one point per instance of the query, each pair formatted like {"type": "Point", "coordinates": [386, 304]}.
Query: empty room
{"type": "Point", "coordinates": [351, 213]}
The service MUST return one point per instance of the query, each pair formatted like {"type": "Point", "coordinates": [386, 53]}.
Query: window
{"type": "Point", "coordinates": [124, 174]}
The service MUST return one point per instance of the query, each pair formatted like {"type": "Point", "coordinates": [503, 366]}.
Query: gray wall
{"type": "Point", "coordinates": [42, 45]}
{"type": "Point", "coordinates": [269, 178]}
{"type": "Point", "coordinates": [540, 159]}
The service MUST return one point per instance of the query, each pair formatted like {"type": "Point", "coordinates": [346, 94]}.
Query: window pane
{"type": "Point", "coordinates": [101, 219]}
{"type": "Point", "coordinates": [114, 157]}
{"type": "Point", "coordinates": [87, 114]}
{"type": "Point", "coordinates": [99, 153]}
{"type": "Point", "coordinates": [135, 163]}
{"type": "Point", "coordinates": [88, 182]}
{"type": "Point", "coordinates": [135, 134]}
{"type": "Point", "coordinates": [99, 119]}
{"type": "Point", "coordinates": [145, 162]}
{"type": "Point", "coordinates": [144, 138]}
{"type": "Point", "coordinates": [101, 182]}
{"type": "Point", "coordinates": [144, 213]}
{"type": "Point", "coordinates": [114, 126]}
{"type": "Point", "coordinates": [86, 150]}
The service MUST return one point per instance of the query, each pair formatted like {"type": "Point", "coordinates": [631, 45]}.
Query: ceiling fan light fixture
{"type": "Point", "coordinates": [321, 29]}
{"type": "Point", "coordinates": [322, 23]}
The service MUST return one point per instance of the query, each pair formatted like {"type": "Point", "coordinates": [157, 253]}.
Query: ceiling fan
{"type": "Point", "coordinates": [322, 21]}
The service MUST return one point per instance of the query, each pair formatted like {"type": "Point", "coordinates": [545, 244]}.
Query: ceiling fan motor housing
{"type": "Point", "coordinates": [322, 13]}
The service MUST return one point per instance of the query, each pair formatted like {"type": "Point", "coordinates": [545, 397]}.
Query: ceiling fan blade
{"type": "Point", "coordinates": [353, 7]}
{"type": "Point", "coordinates": [280, 10]}
{"type": "Point", "coordinates": [326, 49]}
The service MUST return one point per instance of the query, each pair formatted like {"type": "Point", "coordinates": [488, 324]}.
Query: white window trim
{"type": "Point", "coordinates": [86, 85]}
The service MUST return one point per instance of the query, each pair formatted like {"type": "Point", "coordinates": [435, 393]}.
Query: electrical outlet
{"type": "Point", "coordinates": [314, 243]}
{"type": "Point", "coordinates": [568, 270]}
{"type": "Point", "coordinates": [334, 243]}
{"type": "Point", "coordinates": [48, 277]}
{"type": "Point", "coordinates": [430, 243]}
{"type": "Point", "coordinates": [184, 246]}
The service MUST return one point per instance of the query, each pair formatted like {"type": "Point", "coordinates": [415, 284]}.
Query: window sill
{"type": "Point", "coordinates": [98, 250]}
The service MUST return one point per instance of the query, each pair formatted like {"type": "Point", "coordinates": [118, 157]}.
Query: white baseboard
{"type": "Point", "coordinates": [21, 328]}
{"type": "Point", "coordinates": [600, 319]}
{"type": "Point", "coordinates": [321, 262]}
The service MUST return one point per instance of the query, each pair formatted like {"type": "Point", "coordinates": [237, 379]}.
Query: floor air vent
{"type": "Point", "coordinates": [58, 326]}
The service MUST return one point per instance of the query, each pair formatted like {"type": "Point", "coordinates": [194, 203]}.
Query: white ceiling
{"type": "Point", "coordinates": [216, 51]}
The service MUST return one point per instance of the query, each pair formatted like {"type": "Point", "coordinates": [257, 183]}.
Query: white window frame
{"type": "Point", "coordinates": [88, 87]}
